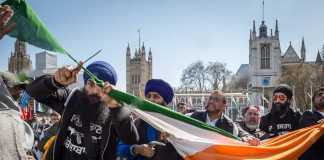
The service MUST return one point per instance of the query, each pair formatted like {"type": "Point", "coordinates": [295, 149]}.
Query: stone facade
{"type": "Point", "coordinates": [138, 70]}
{"type": "Point", "coordinates": [264, 57]}
{"type": "Point", "coordinates": [19, 61]}
{"type": "Point", "coordinates": [267, 63]}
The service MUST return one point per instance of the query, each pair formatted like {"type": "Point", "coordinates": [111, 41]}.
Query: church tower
{"type": "Point", "coordinates": [19, 61]}
{"type": "Point", "coordinates": [138, 69]}
{"type": "Point", "coordinates": [264, 58]}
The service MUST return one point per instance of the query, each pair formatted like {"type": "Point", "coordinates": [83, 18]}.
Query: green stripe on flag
{"type": "Point", "coordinates": [153, 107]}
{"type": "Point", "coordinates": [29, 27]}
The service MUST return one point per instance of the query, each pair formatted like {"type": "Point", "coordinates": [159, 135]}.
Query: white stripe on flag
{"type": "Point", "coordinates": [186, 138]}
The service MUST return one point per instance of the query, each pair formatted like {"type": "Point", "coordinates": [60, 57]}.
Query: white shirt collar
{"type": "Point", "coordinates": [211, 122]}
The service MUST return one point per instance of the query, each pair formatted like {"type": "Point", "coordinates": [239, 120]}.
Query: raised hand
{"type": "Point", "coordinates": [111, 103]}
{"type": "Point", "coordinates": [65, 76]}
{"type": "Point", "coordinates": [145, 150]}
{"type": "Point", "coordinates": [5, 15]}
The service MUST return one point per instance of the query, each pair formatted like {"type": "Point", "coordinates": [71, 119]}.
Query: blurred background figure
{"type": "Point", "coordinates": [47, 134]}
{"type": "Point", "coordinates": [316, 151]}
{"type": "Point", "coordinates": [182, 108]}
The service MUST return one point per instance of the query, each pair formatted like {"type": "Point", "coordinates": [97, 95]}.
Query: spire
{"type": "Point", "coordinates": [263, 10]}
{"type": "Point", "coordinates": [303, 51]}
{"type": "Point", "coordinates": [318, 58]}
{"type": "Point", "coordinates": [254, 27]}
{"type": "Point", "coordinates": [150, 55]}
{"type": "Point", "coordinates": [20, 48]}
{"type": "Point", "coordinates": [277, 29]}
{"type": "Point", "coordinates": [128, 51]}
{"type": "Point", "coordinates": [139, 39]}
{"type": "Point", "coordinates": [253, 32]}
{"type": "Point", "coordinates": [143, 48]}
{"type": "Point", "coordinates": [263, 28]}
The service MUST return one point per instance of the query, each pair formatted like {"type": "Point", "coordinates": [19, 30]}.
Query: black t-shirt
{"type": "Point", "coordinates": [275, 125]}
{"type": "Point", "coordinates": [84, 133]}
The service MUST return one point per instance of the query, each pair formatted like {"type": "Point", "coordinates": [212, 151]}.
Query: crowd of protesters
{"type": "Point", "coordinates": [89, 124]}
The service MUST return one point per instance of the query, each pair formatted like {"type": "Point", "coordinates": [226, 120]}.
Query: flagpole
{"type": "Point", "coordinates": [92, 56]}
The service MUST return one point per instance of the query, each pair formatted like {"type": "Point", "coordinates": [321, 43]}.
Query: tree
{"type": "Point", "coordinates": [217, 74]}
{"type": "Point", "coordinates": [194, 77]}
{"type": "Point", "coordinates": [238, 83]}
{"type": "Point", "coordinates": [197, 77]}
{"type": "Point", "coordinates": [303, 80]}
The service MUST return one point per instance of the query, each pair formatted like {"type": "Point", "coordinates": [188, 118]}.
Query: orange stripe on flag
{"type": "Point", "coordinates": [288, 147]}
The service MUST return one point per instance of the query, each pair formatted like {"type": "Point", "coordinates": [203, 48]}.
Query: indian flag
{"type": "Point", "coordinates": [195, 140]}
{"type": "Point", "coordinates": [192, 139]}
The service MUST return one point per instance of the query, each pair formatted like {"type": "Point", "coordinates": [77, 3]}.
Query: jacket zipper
{"type": "Point", "coordinates": [60, 126]}
{"type": "Point", "coordinates": [102, 155]}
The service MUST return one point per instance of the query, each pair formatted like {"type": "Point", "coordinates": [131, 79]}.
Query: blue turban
{"type": "Point", "coordinates": [161, 87]}
{"type": "Point", "coordinates": [103, 70]}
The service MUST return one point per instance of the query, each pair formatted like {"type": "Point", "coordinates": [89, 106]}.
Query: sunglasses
{"type": "Point", "coordinates": [280, 97]}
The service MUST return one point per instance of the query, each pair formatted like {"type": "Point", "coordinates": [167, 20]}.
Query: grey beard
{"type": "Point", "coordinates": [252, 126]}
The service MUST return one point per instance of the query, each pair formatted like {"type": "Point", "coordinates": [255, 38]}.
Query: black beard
{"type": "Point", "coordinates": [279, 108]}
{"type": "Point", "coordinates": [93, 99]}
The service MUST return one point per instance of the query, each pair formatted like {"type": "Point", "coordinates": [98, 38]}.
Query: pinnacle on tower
{"type": "Point", "coordinates": [277, 29]}
{"type": "Point", "coordinates": [150, 54]}
{"type": "Point", "coordinates": [303, 50]}
{"type": "Point", "coordinates": [254, 27]}
{"type": "Point", "coordinates": [318, 58]}
{"type": "Point", "coordinates": [128, 51]}
{"type": "Point", "coordinates": [143, 50]}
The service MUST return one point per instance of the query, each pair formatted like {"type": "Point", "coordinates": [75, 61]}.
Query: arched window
{"type": "Point", "coordinates": [265, 56]}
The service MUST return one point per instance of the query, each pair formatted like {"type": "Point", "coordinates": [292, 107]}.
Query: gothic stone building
{"type": "Point", "coordinates": [138, 70]}
{"type": "Point", "coordinates": [19, 61]}
{"type": "Point", "coordinates": [266, 60]}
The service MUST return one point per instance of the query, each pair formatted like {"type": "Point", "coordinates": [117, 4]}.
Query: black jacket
{"type": "Point", "coordinates": [274, 125]}
{"type": "Point", "coordinates": [86, 129]}
{"type": "Point", "coordinates": [224, 123]}
{"type": "Point", "coordinates": [316, 151]}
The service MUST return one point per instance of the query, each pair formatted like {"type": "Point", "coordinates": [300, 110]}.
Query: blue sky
{"type": "Point", "coordinates": [178, 31]}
